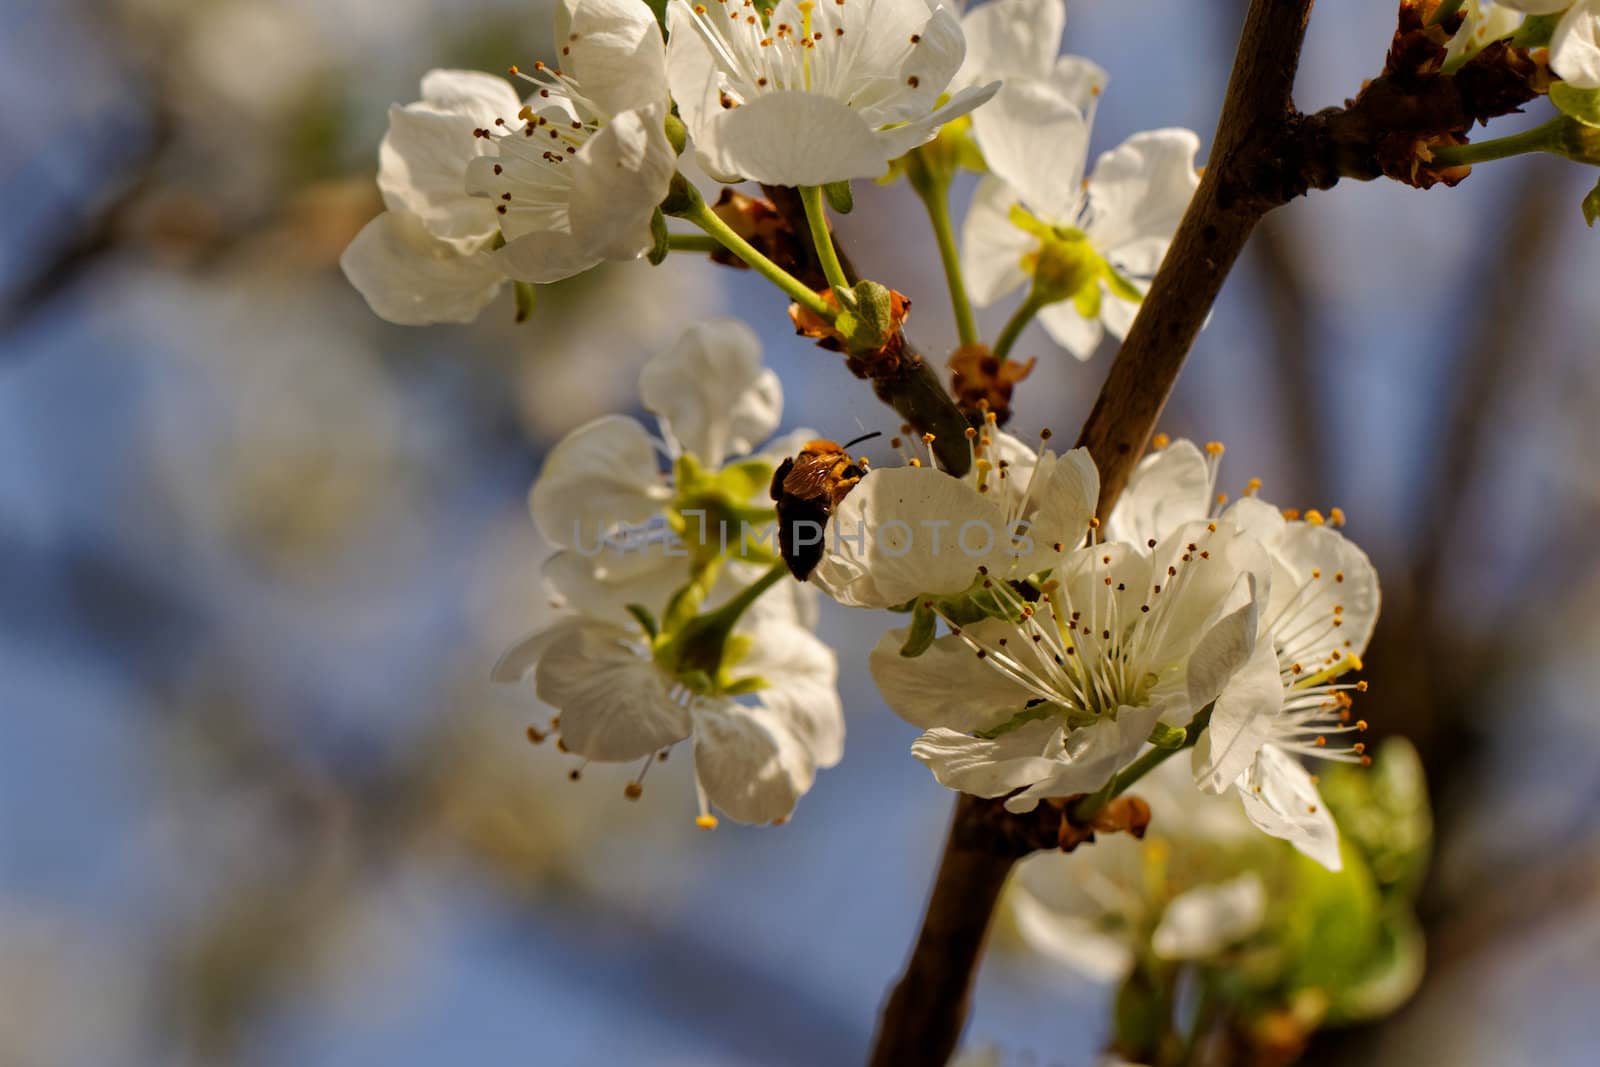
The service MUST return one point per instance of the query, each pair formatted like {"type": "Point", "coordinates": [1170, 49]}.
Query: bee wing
{"type": "Point", "coordinates": [809, 479]}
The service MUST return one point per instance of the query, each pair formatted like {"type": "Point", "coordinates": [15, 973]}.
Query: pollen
{"type": "Point", "coordinates": [1160, 441]}
{"type": "Point", "coordinates": [1214, 448]}
{"type": "Point", "coordinates": [1314, 517]}
{"type": "Point", "coordinates": [536, 736]}
{"type": "Point", "coordinates": [633, 790]}
{"type": "Point", "coordinates": [706, 822]}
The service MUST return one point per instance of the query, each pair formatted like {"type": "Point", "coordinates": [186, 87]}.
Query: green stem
{"type": "Point", "coordinates": [685, 202]}
{"type": "Point", "coordinates": [935, 196]}
{"type": "Point", "coordinates": [1018, 322]}
{"type": "Point", "coordinates": [692, 242]}
{"type": "Point", "coordinates": [817, 219]}
{"type": "Point", "coordinates": [729, 613]}
{"type": "Point", "coordinates": [1545, 138]}
{"type": "Point", "coordinates": [1444, 11]}
{"type": "Point", "coordinates": [1123, 780]}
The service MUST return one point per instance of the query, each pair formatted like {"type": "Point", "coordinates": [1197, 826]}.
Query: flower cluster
{"type": "Point", "coordinates": [672, 629]}
{"type": "Point", "coordinates": [482, 186]}
{"type": "Point", "coordinates": [1071, 648]}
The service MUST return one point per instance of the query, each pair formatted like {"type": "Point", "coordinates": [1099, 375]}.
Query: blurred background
{"type": "Point", "coordinates": [259, 803]}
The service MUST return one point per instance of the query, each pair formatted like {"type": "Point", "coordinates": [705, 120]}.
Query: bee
{"type": "Point", "coordinates": [807, 488]}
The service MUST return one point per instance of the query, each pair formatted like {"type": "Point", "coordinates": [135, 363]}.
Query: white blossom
{"type": "Point", "coordinates": [605, 493]}
{"type": "Point", "coordinates": [1092, 245]}
{"type": "Point", "coordinates": [1288, 700]}
{"type": "Point", "coordinates": [760, 732]}
{"type": "Point", "coordinates": [820, 92]}
{"type": "Point", "coordinates": [911, 531]}
{"type": "Point", "coordinates": [1062, 685]}
{"type": "Point", "coordinates": [575, 176]}
{"type": "Point", "coordinates": [425, 259]}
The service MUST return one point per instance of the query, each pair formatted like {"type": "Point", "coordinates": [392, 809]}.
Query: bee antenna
{"type": "Point", "coordinates": [864, 437]}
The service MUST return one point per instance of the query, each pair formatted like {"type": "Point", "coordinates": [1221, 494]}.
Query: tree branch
{"type": "Point", "coordinates": [1247, 175]}
{"type": "Point", "coordinates": [924, 1016]}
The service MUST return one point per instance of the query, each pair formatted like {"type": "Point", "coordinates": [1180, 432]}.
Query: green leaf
{"type": "Point", "coordinates": [1581, 104]}
{"type": "Point", "coordinates": [1332, 923]}
{"type": "Point", "coordinates": [1392, 973]}
{"type": "Point", "coordinates": [923, 624]}
{"type": "Point", "coordinates": [839, 197]}
{"type": "Point", "coordinates": [524, 294]}
{"type": "Point", "coordinates": [1591, 205]}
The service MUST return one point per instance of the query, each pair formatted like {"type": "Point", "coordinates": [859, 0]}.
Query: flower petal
{"type": "Point", "coordinates": [618, 179]}
{"type": "Point", "coordinates": [711, 392]}
{"type": "Point", "coordinates": [601, 475]}
{"type": "Point", "coordinates": [948, 685]}
{"type": "Point", "coordinates": [1171, 486]}
{"type": "Point", "coordinates": [1203, 921]}
{"type": "Point", "coordinates": [542, 258]}
{"type": "Point", "coordinates": [1082, 910]}
{"type": "Point", "coordinates": [908, 531]}
{"type": "Point", "coordinates": [423, 158]}
{"type": "Point", "coordinates": [1575, 46]}
{"type": "Point", "coordinates": [1242, 718]}
{"type": "Point", "coordinates": [1090, 756]}
{"type": "Point", "coordinates": [1035, 137]}
{"type": "Point", "coordinates": [991, 246]}
{"type": "Point", "coordinates": [1282, 800]}
{"type": "Point", "coordinates": [410, 278]}
{"type": "Point", "coordinates": [801, 673]}
{"type": "Point", "coordinates": [1011, 38]}
{"type": "Point", "coordinates": [1072, 331]}
{"type": "Point", "coordinates": [750, 765]}
{"type": "Point", "coordinates": [990, 768]}
{"type": "Point", "coordinates": [602, 582]}
{"type": "Point", "coordinates": [896, 141]}
{"type": "Point", "coordinates": [615, 53]}
{"type": "Point", "coordinates": [1137, 196]}
{"type": "Point", "coordinates": [1062, 498]}
{"type": "Point", "coordinates": [612, 702]}
{"type": "Point", "coordinates": [1345, 580]}
{"type": "Point", "coordinates": [790, 138]}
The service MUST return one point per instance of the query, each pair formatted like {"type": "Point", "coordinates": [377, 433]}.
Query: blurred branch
{"type": "Point", "coordinates": [1425, 665]}
{"type": "Point", "coordinates": [96, 236]}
